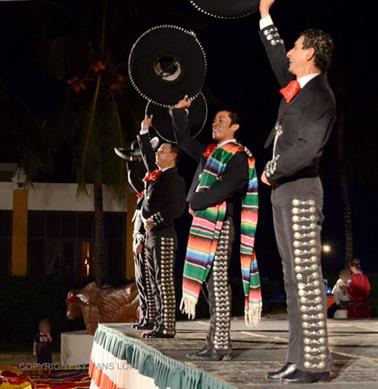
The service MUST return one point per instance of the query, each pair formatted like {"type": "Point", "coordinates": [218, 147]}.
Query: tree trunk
{"type": "Point", "coordinates": [345, 195]}
{"type": "Point", "coordinates": [99, 260]}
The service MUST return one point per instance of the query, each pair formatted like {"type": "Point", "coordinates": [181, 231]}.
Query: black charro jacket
{"type": "Point", "coordinates": [304, 124]}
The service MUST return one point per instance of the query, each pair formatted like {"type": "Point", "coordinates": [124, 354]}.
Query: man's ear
{"type": "Point", "coordinates": [235, 127]}
{"type": "Point", "coordinates": [310, 53]}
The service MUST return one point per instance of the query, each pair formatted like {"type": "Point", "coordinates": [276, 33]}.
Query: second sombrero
{"type": "Point", "coordinates": [226, 9]}
{"type": "Point", "coordinates": [167, 62]}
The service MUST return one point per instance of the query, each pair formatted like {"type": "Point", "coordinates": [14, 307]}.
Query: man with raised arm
{"type": "Point", "coordinates": [224, 189]}
{"type": "Point", "coordinates": [164, 201]}
{"type": "Point", "coordinates": [305, 119]}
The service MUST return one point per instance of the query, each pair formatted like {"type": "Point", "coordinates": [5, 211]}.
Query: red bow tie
{"type": "Point", "coordinates": [209, 149]}
{"type": "Point", "coordinates": [290, 90]}
{"type": "Point", "coordinates": [153, 176]}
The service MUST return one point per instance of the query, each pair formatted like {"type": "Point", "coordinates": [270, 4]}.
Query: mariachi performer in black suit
{"type": "Point", "coordinates": [224, 188]}
{"type": "Point", "coordinates": [164, 201]}
{"type": "Point", "coordinates": [136, 171]}
{"type": "Point", "coordinates": [305, 119]}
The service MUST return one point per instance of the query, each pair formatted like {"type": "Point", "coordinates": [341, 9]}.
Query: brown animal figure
{"type": "Point", "coordinates": [103, 305]}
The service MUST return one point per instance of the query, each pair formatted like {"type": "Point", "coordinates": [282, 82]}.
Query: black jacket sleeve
{"type": "Point", "coordinates": [175, 203]}
{"type": "Point", "coordinates": [148, 154]}
{"type": "Point", "coordinates": [189, 145]}
{"type": "Point", "coordinates": [308, 145]}
{"type": "Point", "coordinates": [276, 51]}
{"type": "Point", "coordinates": [234, 179]}
{"type": "Point", "coordinates": [135, 174]}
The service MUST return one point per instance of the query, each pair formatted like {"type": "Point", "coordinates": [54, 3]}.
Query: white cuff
{"type": "Point", "coordinates": [143, 130]}
{"type": "Point", "coordinates": [265, 22]}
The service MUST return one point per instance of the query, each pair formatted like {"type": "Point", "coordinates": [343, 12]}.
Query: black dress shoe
{"type": "Point", "coordinates": [143, 326]}
{"type": "Point", "coordinates": [157, 334]}
{"type": "Point", "coordinates": [209, 354]}
{"type": "Point", "coordinates": [305, 377]}
{"type": "Point", "coordinates": [284, 371]}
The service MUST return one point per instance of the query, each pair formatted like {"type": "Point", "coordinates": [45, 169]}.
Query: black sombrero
{"type": "Point", "coordinates": [133, 152]}
{"type": "Point", "coordinates": [162, 122]}
{"type": "Point", "coordinates": [226, 9]}
{"type": "Point", "coordinates": [167, 62]}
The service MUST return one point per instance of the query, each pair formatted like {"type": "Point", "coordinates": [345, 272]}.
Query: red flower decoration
{"type": "Point", "coordinates": [209, 149]}
{"type": "Point", "coordinates": [98, 66]}
{"type": "Point", "coordinates": [153, 176]}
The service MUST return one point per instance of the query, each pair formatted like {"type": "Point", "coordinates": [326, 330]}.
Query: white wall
{"type": "Point", "coordinates": [57, 197]}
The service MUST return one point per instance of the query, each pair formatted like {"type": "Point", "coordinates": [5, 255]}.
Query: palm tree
{"type": "Point", "coordinates": [90, 56]}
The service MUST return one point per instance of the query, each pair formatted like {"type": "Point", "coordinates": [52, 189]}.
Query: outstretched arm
{"type": "Point", "coordinates": [274, 45]}
{"type": "Point", "coordinates": [148, 154]}
{"type": "Point", "coordinates": [180, 124]}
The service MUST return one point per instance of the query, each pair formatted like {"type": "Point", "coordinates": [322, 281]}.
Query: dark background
{"type": "Point", "coordinates": [239, 75]}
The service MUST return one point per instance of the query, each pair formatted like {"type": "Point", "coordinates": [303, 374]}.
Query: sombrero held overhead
{"type": "Point", "coordinates": [226, 9]}
{"type": "Point", "coordinates": [162, 122]}
{"type": "Point", "coordinates": [167, 62]}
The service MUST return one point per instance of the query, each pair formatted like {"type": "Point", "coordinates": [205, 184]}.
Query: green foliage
{"type": "Point", "coordinates": [89, 54]}
{"type": "Point", "coordinates": [25, 301]}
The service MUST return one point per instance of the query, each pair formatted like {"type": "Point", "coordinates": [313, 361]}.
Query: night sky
{"type": "Point", "coordinates": [239, 75]}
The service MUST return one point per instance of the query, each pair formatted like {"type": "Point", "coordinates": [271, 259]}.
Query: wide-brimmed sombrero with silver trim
{"type": "Point", "coordinates": [162, 122]}
{"type": "Point", "coordinates": [167, 62]}
{"type": "Point", "coordinates": [226, 9]}
{"type": "Point", "coordinates": [133, 152]}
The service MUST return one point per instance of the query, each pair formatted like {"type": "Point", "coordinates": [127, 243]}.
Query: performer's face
{"type": "Point", "coordinates": [300, 59]}
{"type": "Point", "coordinates": [222, 128]}
{"type": "Point", "coordinates": [165, 156]}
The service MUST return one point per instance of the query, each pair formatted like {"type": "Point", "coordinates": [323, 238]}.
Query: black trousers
{"type": "Point", "coordinates": [147, 310]}
{"type": "Point", "coordinates": [160, 258]}
{"type": "Point", "coordinates": [219, 292]}
{"type": "Point", "coordinates": [298, 217]}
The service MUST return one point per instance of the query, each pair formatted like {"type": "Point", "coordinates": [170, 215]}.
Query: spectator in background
{"type": "Point", "coordinates": [340, 293]}
{"type": "Point", "coordinates": [359, 286]}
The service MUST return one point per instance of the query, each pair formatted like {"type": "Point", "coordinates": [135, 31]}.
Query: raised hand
{"type": "Point", "coordinates": [265, 6]}
{"type": "Point", "coordinates": [147, 122]}
{"type": "Point", "coordinates": [184, 103]}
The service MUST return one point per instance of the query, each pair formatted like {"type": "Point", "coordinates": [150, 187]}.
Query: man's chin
{"type": "Point", "coordinates": [292, 71]}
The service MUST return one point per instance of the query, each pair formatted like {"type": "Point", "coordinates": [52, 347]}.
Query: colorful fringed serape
{"type": "Point", "coordinates": [205, 232]}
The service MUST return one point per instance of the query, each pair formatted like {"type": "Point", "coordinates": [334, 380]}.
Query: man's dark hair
{"type": "Point", "coordinates": [175, 149]}
{"type": "Point", "coordinates": [233, 114]}
{"type": "Point", "coordinates": [323, 45]}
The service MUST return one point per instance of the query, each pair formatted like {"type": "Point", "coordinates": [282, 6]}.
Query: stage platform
{"type": "Point", "coordinates": [353, 343]}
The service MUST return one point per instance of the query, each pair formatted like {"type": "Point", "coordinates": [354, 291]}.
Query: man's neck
{"type": "Point", "coordinates": [225, 141]}
{"type": "Point", "coordinates": [166, 167]}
